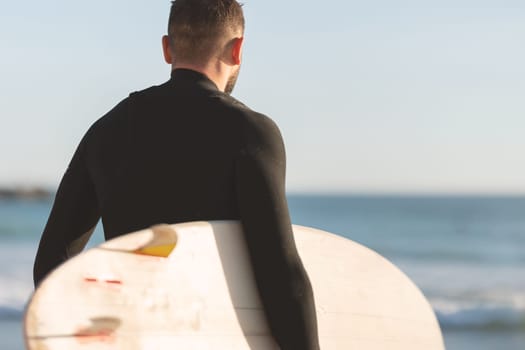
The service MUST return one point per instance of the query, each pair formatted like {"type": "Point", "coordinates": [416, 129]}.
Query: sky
{"type": "Point", "coordinates": [375, 96]}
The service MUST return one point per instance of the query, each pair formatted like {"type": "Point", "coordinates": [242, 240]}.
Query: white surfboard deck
{"type": "Point", "coordinates": [203, 295]}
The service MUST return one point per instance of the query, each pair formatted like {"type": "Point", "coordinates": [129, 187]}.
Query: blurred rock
{"type": "Point", "coordinates": [26, 193]}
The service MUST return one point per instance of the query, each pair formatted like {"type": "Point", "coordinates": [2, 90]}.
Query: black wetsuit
{"type": "Point", "coordinates": [185, 151]}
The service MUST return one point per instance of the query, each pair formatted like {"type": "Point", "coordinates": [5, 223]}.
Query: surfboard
{"type": "Point", "coordinates": [190, 286]}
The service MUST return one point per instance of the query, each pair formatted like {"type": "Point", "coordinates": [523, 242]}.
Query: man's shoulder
{"type": "Point", "coordinates": [152, 91]}
{"type": "Point", "coordinates": [258, 132]}
{"type": "Point", "coordinates": [112, 117]}
{"type": "Point", "coordinates": [250, 119]}
{"type": "Point", "coordinates": [120, 112]}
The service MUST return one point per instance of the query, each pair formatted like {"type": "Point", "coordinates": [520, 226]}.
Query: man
{"type": "Point", "coordinates": [187, 151]}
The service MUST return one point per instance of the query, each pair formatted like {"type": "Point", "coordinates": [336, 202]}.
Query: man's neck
{"type": "Point", "coordinates": [214, 71]}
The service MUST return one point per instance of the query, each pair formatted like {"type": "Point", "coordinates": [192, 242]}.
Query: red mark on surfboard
{"type": "Point", "coordinates": [103, 281]}
{"type": "Point", "coordinates": [86, 336]}
{"type": "Point", "coordinates": [101, 329]}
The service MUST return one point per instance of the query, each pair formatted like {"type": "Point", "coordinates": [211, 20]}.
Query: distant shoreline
{"type": "Point", "coordinates": [26, 193]}
{"type": "Point", "coordinates": [45, 193]}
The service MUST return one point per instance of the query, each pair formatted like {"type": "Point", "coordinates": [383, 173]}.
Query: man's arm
{"type": "Point", "coordinates": [72, 220]}
{"type": "Point", "coordinates": [283, 284]}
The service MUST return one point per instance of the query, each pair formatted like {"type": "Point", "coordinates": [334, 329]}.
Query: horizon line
{"type": "Point", "coordinates": [21, 191]}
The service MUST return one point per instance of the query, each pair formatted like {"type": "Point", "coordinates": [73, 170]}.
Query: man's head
{"type": "Point", "coordinates": [204, 32]}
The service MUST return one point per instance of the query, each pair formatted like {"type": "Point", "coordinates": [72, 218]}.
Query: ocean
{"type": "Point", "coordinates": [467, 254]}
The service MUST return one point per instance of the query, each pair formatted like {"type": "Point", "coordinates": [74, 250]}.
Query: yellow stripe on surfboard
{"type": "Point", "coordinates": [162, 251]}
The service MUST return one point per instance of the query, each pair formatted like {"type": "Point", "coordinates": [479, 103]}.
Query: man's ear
{"type": "Point", "coordinates": [166, 50]}
{"type": "Point", "coordinates": [237, 50]}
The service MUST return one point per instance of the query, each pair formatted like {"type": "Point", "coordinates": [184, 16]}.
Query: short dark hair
{"type": "Point", "coordinates": [195, 27]}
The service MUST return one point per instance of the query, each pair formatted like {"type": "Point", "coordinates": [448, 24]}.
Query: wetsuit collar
{"type": "Point", "coordinates": [191, 76]}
